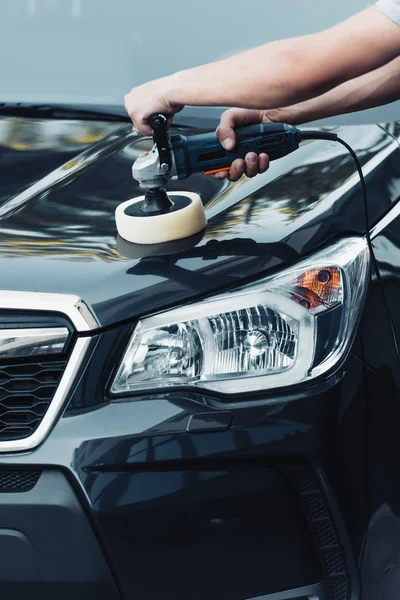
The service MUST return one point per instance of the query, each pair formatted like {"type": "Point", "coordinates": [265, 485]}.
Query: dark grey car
{"type": "Point", "coordinates": [220, 420]}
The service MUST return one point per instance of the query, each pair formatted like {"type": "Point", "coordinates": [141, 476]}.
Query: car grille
{"type": "Point", "coordinates": [18, 480]}
{"type": "Point", "coordinates": [26, 391]}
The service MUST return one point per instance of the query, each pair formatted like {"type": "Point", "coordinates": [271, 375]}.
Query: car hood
{"type": "Point", "coordinates": [60, 182]}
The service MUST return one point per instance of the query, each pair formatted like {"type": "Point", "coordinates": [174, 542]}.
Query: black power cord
{"type": "Point", "coordinates": [332, 137]}
{"type": "Point", "coordinates": [320, 135]}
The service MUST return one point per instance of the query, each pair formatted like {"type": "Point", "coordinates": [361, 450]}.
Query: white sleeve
{"type": "Point", "coordinates": [390, 8]}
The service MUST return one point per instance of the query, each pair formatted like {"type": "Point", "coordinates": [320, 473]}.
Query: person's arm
{"type": "Point", "coordinates": [378, 87]}
{"type": "Point", "coordinates": [276, 74]}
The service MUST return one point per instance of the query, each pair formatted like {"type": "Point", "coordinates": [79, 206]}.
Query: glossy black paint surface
{"type": "Point", "coordinates": [185, 488]}
{"type": "Point", "coordinates": [386, 250]}
{"type": "Point", "coordinates": [224, 541]}
{"type": "Point", "coordinates": [65, 223]}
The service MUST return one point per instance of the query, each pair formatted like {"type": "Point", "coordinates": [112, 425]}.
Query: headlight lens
{"type": "Point", "coordinates": [282, 331]}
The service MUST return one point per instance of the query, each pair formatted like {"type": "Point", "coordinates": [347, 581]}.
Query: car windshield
{"type": "Point", "coordinates": [94, 51]}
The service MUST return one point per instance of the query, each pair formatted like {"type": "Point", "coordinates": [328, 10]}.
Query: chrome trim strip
{"type": "Point", "coordinates": [83, 320]}
{"type": "Point", "coordinates": [22, 343]}
{"type": "Point", "coordinates": [67, 304]}
{"type": "Point", "coordinates": [67, 380]}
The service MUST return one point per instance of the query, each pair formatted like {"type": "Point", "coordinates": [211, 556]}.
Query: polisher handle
{"type": "Point", "coordinates": [159, 125]}
{"type": "Point", "coordinates": [205, 153]}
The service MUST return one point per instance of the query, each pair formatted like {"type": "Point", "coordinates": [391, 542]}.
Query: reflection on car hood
{"type": "Point", "coordinates": [60, 182]}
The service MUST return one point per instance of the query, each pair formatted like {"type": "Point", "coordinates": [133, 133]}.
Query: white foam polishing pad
{"type": "Point", "coordinates": [185, 218]}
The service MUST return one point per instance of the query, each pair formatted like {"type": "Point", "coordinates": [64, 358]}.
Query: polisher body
{"type": "Point", "coordinates": [159, 217]}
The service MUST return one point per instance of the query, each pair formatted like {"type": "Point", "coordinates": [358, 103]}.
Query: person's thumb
{"type": "Point", "coordinates": [225, 131]}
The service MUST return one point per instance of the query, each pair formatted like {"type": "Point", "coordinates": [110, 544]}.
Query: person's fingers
{"type": "Point", "coordinates": [263, 161]}
{"type": "Point", "coordinates": [233, 118]}
{"type": "Point", "coordinates": [139, 122]}
{"type": "Point", "coordinates": [221, 175]}
{"type": "Point", "coordinates": [225, 130]}
{"type": "Point", "coordinates": [251, 164]}
{"type": "Point", "coordinates": [140, 118]}
{"type": "Point", "coordinates": [141, 125]}
{"type": "Point", "coordinates": [237, 169]}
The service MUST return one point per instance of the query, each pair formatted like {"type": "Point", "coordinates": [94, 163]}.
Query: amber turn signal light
{"type": "Point", "coordinates": [318, 287]}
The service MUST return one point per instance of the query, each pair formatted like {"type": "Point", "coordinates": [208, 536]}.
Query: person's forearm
{"type": "Point", "coordinates": [378, 87]}
{"type": "Point", "coordinates": [288, 71]}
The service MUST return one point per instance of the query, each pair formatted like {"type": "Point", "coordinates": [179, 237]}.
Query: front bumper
{"type": "Point", "coordinates": [48, 546]}
{"type": "Point", "coordinates": [222, 532]}
{"type": "Point", "coordinates": [175, 504]}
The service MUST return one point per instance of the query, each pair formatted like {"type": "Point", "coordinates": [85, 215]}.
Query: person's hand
{"type": "Point", "coordinates": [253, 163]}
{"type": "Point", "coordinates": [148, 99]}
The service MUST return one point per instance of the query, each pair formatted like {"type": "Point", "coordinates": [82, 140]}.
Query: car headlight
{"type": "Point", "coordinates": [281, 331]}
